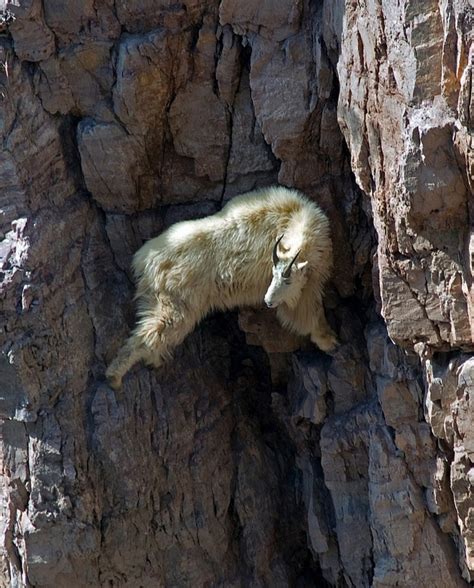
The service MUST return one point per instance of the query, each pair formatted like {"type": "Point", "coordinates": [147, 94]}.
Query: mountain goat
{"type": "Point", "coordinates": [224, 261]}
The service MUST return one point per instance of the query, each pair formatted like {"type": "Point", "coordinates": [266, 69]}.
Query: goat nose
{"type": "Point", "coordinates": [268, 303]}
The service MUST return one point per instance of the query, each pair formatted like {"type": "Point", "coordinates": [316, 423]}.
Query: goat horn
{"type": "Point", "coordinates": [275, 254]}
{"type": "Point", "coordinates": [287, 272]}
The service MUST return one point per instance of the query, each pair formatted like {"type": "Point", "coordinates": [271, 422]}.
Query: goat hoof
{"type": "Point", "coordinates": [327, 344]}
{"type": "Point", "coordinates": [114, 381]}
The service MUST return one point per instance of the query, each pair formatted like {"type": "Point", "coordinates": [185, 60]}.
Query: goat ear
{"type": "Point", "coordinates": [301, 265]}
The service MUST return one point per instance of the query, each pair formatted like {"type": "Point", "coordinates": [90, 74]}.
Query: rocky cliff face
{"type": "Point", "coordinates": [252, 459]}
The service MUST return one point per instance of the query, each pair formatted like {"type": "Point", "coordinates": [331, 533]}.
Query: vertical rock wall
{"type": "Point", "coordinates": [252, 459]}
{"type": "Point", "coordinates": [405, 108]}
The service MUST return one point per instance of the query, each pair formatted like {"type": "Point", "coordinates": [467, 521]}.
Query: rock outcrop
{"type": "Point", "coordinates": [251, 459]}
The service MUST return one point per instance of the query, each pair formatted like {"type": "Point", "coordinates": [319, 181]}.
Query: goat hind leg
{"type": "Point", "coordinates": [129, 354]}
{"type": "Point", "coordinates": [161, 328]}
{"type": "Point", "coordinates": [143, 344]}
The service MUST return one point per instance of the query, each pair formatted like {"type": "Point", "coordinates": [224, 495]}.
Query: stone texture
{"type": "Point", "coordinates": [115, 168]}
{"type": "Point", "coordinates": [77, 80]}
{"type": "Point", "coordinates": [402, 108]}
{"type": "Point", "coordinates": [208, 142]}
{"type": "Point", "coordinates": [33, 39]}
{"type": "Point", "coordinates": [403, 86]}
{"type": "Point", "coordinates": [252, 458]}
{"type": "Point", "coordinates": [448, 407]}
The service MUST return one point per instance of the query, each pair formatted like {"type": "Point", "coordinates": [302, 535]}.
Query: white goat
{"type": "Point", "coordinates": [225, 261]}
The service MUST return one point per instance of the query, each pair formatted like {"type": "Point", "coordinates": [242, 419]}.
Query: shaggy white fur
{"type": "Point", "coordinates": [225, 261]}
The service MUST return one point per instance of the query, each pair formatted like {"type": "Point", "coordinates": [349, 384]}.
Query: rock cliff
{"type": "Point", "coordinates": [252, 459]}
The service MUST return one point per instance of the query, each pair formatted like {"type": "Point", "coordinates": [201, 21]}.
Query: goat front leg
{"type": "Point", "coordinates": [321, 333]}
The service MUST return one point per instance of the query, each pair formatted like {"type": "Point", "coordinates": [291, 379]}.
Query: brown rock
{"type": "Point", "coordinates": [77, 80]}
{"type": "Point", "coordinates": [200, 129]}
{"type": "Point", "coordinates": [266, 18]}
{"type": "Point", "coordinates": [397, 109]}
{"type": "Point", "coordinates": [241, 462]}
{"type": "Point", "coordinates": [262, 328]}
{"type": "Point", "coordinates": [32, 38]}
{"type": "Point", "coordinates": [114, 166]}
